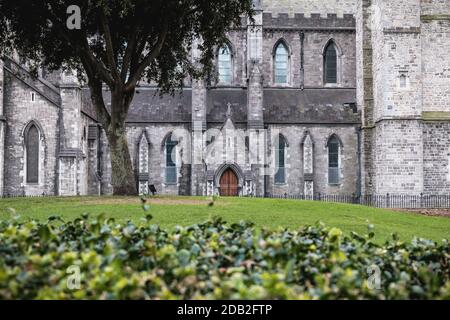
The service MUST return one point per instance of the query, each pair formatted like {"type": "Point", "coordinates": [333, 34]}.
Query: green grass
{"type": "Point", "coordinates": [169, 212]}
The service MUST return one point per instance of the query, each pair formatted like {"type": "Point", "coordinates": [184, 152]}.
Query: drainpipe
{"type": "Point", "coordinates": [302, 60]}
{"type": "Point", "coordinates": [267, 148]}
{"type": "Point", "coordinates": [99, 160]}
{"type": "Point", "coordinates": [359, 181]}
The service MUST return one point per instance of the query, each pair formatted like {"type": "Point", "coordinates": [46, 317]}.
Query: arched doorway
{"type": "Point", "coordinates": [229, 184]}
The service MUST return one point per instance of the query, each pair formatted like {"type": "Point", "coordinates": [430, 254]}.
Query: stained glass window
{"type": "Point", "coordinates": [171, 162]}
{"type": "Point", "coordinates": [331, 64]}
{"type": "Point", "coordinates": [333, 161]}
{"type": "Point", "coordinates": [224, 58]}
{"type": "Point", "coordinates": [281, 64]}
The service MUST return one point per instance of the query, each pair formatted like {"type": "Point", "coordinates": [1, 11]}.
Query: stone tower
{"type": "Point", "coordinates": [435, 44]}
{"type": "Point", "coordinates": [391, 96]}
{"type": "Point", "coordinates": [402, 59]}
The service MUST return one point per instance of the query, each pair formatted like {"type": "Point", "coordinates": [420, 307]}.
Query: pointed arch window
{"type": "Point", "coordinates": [32, 154]}
{"type": "Point", "coordinates": [333, 160]}
{"type": "Point", "coordinates": [331, 64]}
{"type": "Point", "coordinates": [225, 63]}
{"type": "Point", "coordinates": [280, 160]}
{"type": "Point", "coordinates": [171, 161]}
{"type": "Point", "coordinates": [281, 64]}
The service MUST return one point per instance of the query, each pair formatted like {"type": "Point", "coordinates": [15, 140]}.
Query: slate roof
{"type": "Point", "coordinates": [291, 106]}
{"type": "Point", "coordinates": [148, 106]}
{"type": "Point", "coordinates": [217, 106]}
{"type": "Point", "coordinates": [315, 21]}
{"type": "Point", "coordinates": [310, 106]}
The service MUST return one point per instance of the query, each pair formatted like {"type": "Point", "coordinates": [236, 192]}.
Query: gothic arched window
{"type": "Point", "coordinates": [333, 160]}
{"type": "Point", "coordinates": [32, 154]}
{"type": "Point", "coordinates": [330, 64]}
{"type": "Point", "coordinates": [281, 64]}
{"type": "Point", "coordinates": [280, 160]}
{"type": "Point", "coordinates": [171, 161]}
{"type": "Point", "coordinates": [224, 61]}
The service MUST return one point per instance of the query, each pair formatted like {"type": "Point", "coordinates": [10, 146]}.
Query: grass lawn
{"type": "Point", "coordinates": [272, 213]}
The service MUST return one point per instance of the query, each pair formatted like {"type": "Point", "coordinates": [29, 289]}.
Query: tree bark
{"type": "Point", "coordinates": [113, 121]}
{"type": "Point", "coordinates": [123, 179]}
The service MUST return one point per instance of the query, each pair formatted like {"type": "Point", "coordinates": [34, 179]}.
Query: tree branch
{"type": "Point", "coordinates": [96, 88]}
{"type": "Point", "coordinates": [130, 85]}
{"type": "Point", "coordinates": [97, 64]}
{"type": "Point", "coordinates": [131, 45]}
{"type": "Point", "coordinates": [109, 46]}
{"type": "Point", "coordinates": [84, 51]}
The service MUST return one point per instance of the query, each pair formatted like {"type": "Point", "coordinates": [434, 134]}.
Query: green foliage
{"type": "Point", "coordinates": [212, 260]}
{"type": "Point", "coordinates": [120, 41]}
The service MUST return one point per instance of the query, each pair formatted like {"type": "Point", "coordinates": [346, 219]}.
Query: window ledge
{"type": "Point", "coordinates": [280, 85]}
{"type": "Point", "coordinates": [333, 85]}
{"type": "Point", "coordinates": [224, 85]}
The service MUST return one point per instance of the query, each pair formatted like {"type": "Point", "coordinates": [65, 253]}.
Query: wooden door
{"type": "Point", "coordinates": [229, 184]}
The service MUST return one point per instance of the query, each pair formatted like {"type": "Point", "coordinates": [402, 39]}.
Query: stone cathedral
{"type": "Point", "coordinates": [332, 97]}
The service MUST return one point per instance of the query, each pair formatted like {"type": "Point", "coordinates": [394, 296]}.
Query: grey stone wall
{"type": "Point", "coordinates": [19, 112]}
{"type": "Point", "coordinates": [309, 7]}
{"type": "Point", "coordinates": [365, 99]}
{"type": "Point", "coordinates": [320, 135]}
{"type": "Point", "coordinates": [292, 40]}
{"type": "Point", "coordinates": [157, 135]}
{"type": "Point", "coordinates": [314, 45]}
{"type": "Point", "coordinates": [256, 74]}
{"type": "Point", "coordinates": [403, 78]}
{"type": "Point", "coordinates": [74, 151]}
{"type": "Point", "coordinates": [433, 7]}
{"type": "Point", "coordinates": [398, 157]}
{"type": "Point", "coordinates": [436, 157]}
{"type": "Point", "coordinates": [314, 49]}
{"type": "Point", "coordinates": [435, 36]}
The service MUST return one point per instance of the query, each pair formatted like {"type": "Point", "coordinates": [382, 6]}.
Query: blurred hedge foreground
{"type": "Point", "coordinates": [97, 258]}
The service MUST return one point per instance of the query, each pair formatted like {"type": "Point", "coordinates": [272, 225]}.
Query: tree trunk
{"type": "Point", "coordinates": [113, 121]}
{"type": "Point", "coordinates": [123, 178]}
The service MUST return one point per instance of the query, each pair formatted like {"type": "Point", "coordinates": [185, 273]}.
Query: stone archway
{"type": "Point", "coordinates": [232, 177]}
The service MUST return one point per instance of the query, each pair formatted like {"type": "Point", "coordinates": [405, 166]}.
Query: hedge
{"type": "Point", "coordinates": [212, 260]}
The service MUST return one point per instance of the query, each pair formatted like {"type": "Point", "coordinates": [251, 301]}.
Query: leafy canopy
{"type": "Point", "coordinates": [120, 41]}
